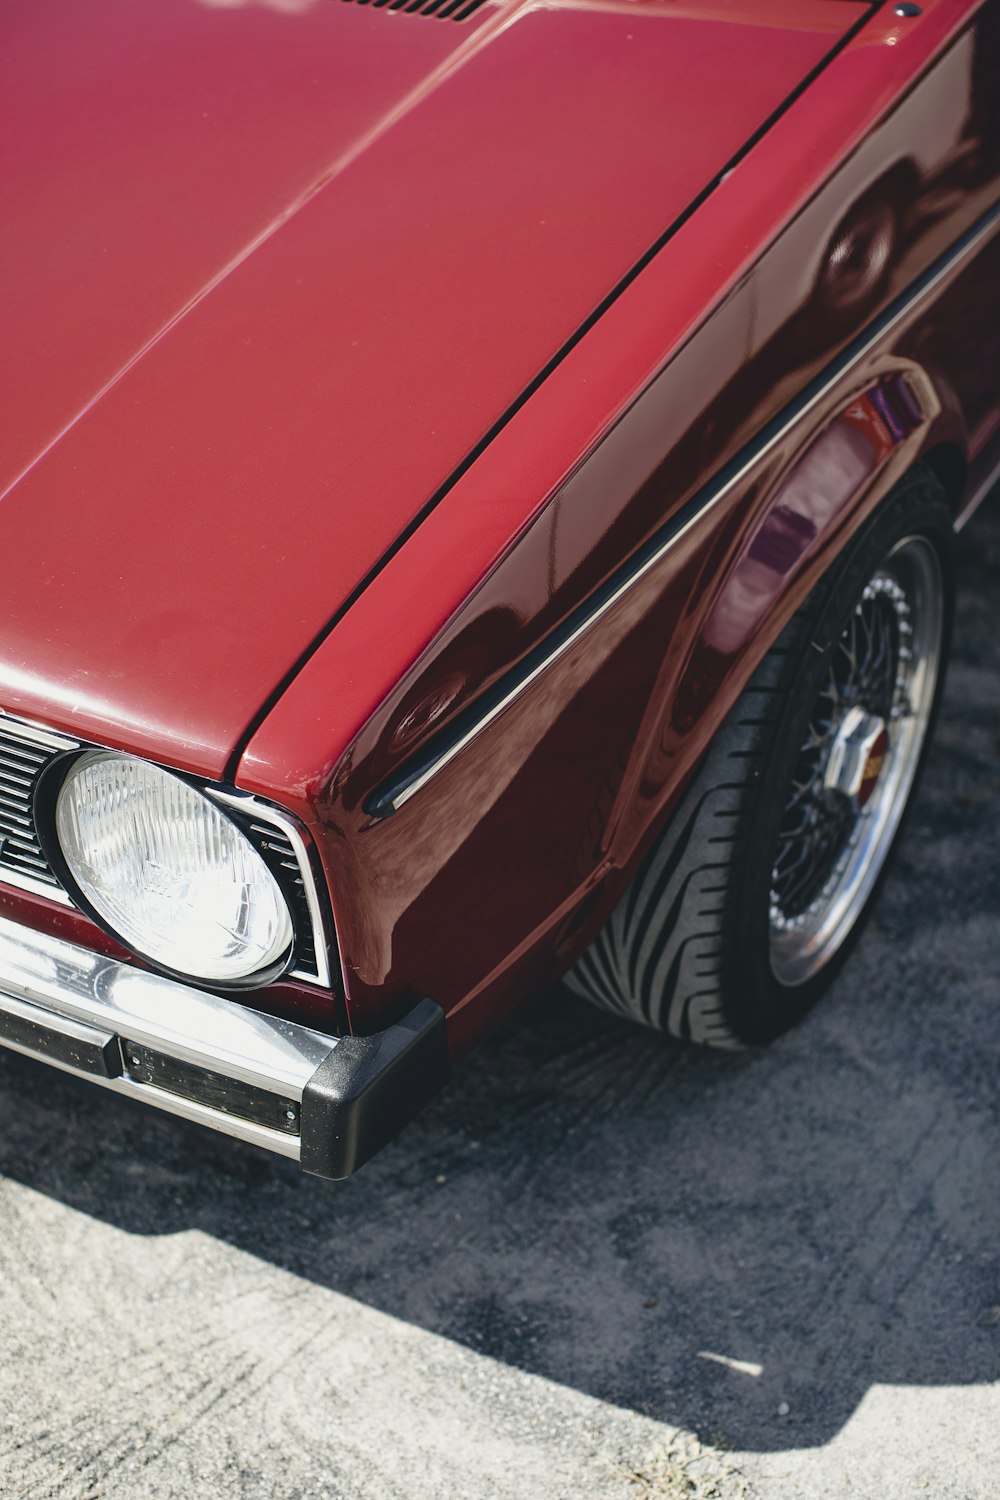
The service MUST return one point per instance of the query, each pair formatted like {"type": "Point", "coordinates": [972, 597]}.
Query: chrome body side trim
{"type": "Point", "coordinates": [453, 740]}
{"type": "Point", "coordinates": [78, 994]}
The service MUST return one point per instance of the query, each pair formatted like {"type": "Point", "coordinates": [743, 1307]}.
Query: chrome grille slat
{"type": "Point", "coordinates": [20, 770]}
{"type": "Point", "coordinates": [23, 773]}
{"type": "Point", "coordinates": [20, 761]}
{"type": "Point", "coordinates": [11, 810]}
{"type": "Point", "coordinates": [28, 761]}
{"type": "Point", "coordinates": [16, 779]}
{"type": "Point", "coordinates": [27, 861]}
{"type": "Point", "coordinates": [27, 844]}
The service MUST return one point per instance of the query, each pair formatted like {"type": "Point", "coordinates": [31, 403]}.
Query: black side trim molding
{"type": "Point", "coordinates": [543, 374]}
{"type": "Point", "coordinates": [453, 738]}
{"type": "Point", "coordinates": [368, 1088]}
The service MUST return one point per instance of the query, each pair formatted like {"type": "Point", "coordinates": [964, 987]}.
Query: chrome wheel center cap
{"type": "Point", "coordinates": [857, 755]}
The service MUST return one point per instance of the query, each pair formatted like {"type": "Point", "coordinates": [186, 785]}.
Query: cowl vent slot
{"type": "Point", "coordinates": [436, 10]}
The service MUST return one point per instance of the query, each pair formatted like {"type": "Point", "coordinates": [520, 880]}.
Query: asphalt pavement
{"type": "Point", "coordinates": [597, 1268]}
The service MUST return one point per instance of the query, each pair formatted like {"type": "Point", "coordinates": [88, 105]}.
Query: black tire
{"type": "Point", "coordinates": [688, 950]}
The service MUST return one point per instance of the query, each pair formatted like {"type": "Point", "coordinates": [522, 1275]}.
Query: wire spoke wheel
{"type": "Point", "coordinates": [750, 900]}
{"type": "Point", "coordinates": [858, 761]}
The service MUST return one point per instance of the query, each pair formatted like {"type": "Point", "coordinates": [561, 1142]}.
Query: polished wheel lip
{"type": "Point", "coordinates": [801, 946]}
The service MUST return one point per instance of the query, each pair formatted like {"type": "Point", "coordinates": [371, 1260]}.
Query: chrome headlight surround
{"type": "Point", "coordinates": [59, 821]}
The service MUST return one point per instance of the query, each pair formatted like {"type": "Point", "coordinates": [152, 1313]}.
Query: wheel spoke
{"type": "Point", "coordinates": [878, 690]}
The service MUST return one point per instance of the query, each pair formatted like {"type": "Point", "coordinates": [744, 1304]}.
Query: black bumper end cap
{"type": "Point", "coordinates": [368, 1088]}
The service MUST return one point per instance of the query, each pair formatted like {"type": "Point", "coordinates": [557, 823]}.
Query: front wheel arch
{"type": "Point", "coordinates": [686, 948]}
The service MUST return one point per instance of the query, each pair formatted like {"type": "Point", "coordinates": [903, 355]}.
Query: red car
{"type": "Point", "coordinates": [482, 477]}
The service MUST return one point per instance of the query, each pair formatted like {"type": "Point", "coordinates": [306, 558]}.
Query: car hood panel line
{"type": "Point", "coordinates": [240, 467]}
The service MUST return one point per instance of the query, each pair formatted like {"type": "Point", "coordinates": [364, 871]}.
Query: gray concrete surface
{"type": "Point", "coordinates": [596, 1269]}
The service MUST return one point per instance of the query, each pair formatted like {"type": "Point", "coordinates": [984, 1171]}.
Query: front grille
{"type": "Point", "coordinates": [25, 752]}
{"type": "Point", "coordinates": [276, 847]}
{"type": "Point", "coordinates": [21, 763]}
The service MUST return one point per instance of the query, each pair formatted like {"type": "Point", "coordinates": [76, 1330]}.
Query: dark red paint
{"type": "Point", "coordinates": [492, 877]}
{"type": "Point", "coordinates": [250, 352]}
{"type": "Point", "coordinates": [259, 257]}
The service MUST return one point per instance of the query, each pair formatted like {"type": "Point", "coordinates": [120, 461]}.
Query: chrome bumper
{"type": "Point", "coordinates": [327, 1102]}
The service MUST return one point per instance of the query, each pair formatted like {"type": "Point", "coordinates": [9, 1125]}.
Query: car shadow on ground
{"type": "Point", "coordinates": [739, 1245]}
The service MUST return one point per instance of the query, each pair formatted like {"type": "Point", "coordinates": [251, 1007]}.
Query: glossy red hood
{"type": "Point", "coordinates": [272, 271]}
